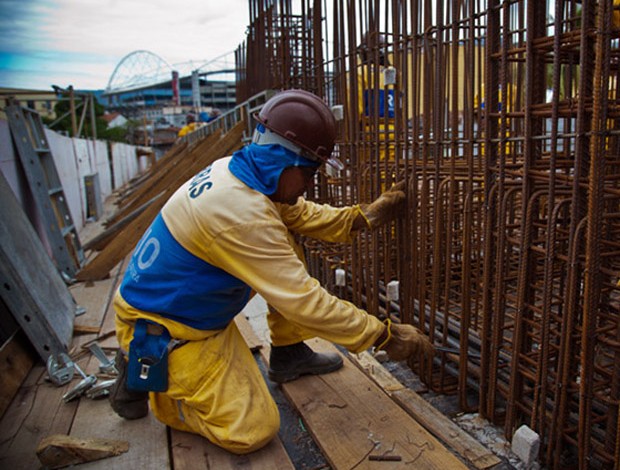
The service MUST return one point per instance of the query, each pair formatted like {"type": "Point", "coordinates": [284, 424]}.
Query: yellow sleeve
{"type": "Point", "coordinates": [320, 221]}
{"type": "Point", "coordinates": [191, 127]}
{"type": "Point", "coordinates": [264, 259]}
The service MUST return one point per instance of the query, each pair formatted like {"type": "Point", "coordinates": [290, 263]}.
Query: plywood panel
{"type": "Point", "coordinates": [68, 172]}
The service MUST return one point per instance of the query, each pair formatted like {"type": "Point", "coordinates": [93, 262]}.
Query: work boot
{"type": "Point", "coordinates": [127, 403]}
{"type": "Point", "coordinates": [287, 363]}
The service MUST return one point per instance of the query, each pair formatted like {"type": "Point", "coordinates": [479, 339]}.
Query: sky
{"type": "Point", "coordinates": [80, 42]}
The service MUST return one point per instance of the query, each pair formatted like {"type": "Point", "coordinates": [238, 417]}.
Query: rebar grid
{"type": "Point", "coordinates": [282, 50]}
{"type": "Point", "coordinates": [503, 120]}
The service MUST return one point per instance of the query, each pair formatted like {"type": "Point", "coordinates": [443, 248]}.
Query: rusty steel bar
{"type": "Point", "coordinates": [503, 119]}
{"type": "Point", "coordinates": [593, 235]}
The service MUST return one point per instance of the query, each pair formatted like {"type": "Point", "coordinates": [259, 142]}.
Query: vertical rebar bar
{"type": "Point", "coordinates": [503, 120]}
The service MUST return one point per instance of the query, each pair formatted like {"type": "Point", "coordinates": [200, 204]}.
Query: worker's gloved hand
{"type": "Point", "coordinates": [385, 207]}
{"type": "Point", "coordinates": [403, 341]}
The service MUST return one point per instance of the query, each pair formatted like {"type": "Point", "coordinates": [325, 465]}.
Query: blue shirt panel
{"type": "Point", "coordinates": [165, 278]}
{"type": "Point", "coordinates": [369, 102]}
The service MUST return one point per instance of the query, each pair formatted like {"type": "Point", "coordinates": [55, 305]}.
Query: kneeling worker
{"type": "Point", "coordinates": [225, 233]}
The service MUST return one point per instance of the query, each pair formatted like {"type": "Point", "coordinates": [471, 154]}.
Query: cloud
{"type": "Point", "coordinates": [85, 39]}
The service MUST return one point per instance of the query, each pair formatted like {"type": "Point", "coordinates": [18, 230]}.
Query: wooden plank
{"type": "Point", "coordinates": [147, 437]}
{"type": "Point", "coordinates": [99, 242]}
{"type": "Point", "coordinates": [248, 333]}
{"type": "Point", "coordinates": [192, 451]}
{"type": "Point", "coordinates": [427, 415]}
{"type": "Point", "coordinates": [94, 297]}
{"type": "Point", "coordinates": [86, 329]}
{"type": "Point", "coordinates": [119, 247]}
{"type": "Point", "coordinates": [130, 193]}
{"type": "Point", "coordinates": [351, 419]}
{"type": "Point", "coordinates": [37, 411]}
{"type": "Point", "coordinates": [60, 450]}
{"type": "Point", "coordinates": [173, 174]}
{"type": "Point", "coordinates": [109, 322]}
{"type": "Point", "coordinates": [16, 360]}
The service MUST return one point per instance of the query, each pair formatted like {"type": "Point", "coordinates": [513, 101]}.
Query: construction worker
{"type": "Point", "coordinates": [376, 110]}
{"type": "Point", "coordinates": [225, 233]}
{"type": "Point", "coordinates": [190, 125]}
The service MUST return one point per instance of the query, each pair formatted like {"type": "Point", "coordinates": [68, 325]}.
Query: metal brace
{"type": "Point", "coordinates": [106, 365]}
{"type": "Point", "coordinates": [87, 382]}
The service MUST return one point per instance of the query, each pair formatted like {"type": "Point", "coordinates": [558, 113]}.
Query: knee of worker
{"type": "Point", "coordinates": [239, 434]}
{"type": "Point", "coordinates": [255, 436]}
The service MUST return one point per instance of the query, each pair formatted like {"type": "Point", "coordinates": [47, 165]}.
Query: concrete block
{"type": "Point", "coordinates": [526, 444]}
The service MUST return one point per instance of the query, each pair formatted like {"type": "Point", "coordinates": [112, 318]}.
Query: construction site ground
{"type": "Point", "coordinates": [366, 416]}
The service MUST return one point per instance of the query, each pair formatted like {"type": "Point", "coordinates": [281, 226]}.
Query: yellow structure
{"type": "Point", "coordinates": [41, 101]}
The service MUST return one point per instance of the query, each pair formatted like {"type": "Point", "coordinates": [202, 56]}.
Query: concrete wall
{"type": "Point", "coordinates": [115, 164]}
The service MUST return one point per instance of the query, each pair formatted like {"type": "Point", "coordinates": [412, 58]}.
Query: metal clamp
{"type": "Point", "coordinates": [87, 382]}
{"type": "Point", "coordinates": [106, 365]}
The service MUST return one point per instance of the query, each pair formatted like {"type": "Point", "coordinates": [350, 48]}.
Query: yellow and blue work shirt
{"type": "Point", "coordinates": [165, 278]}
{"type": "Point", "coordinates": [217, 238]}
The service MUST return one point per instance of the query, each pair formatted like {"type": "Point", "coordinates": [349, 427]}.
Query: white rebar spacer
{"type": "Point", "coordinates": [392, 290]}
{"type": "Point", "coordinates": [340, 277]}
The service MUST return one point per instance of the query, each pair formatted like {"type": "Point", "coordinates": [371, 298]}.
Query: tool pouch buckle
{"type": "Point", "coordinates": [147, 370]}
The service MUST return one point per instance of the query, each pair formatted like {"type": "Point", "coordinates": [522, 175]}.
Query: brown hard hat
{"type": "Point", "coordinates": [302, 118]}
{"type": "Point", "coordinates": [373, 41]}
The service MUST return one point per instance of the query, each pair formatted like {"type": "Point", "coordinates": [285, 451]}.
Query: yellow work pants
{"type": "Point", "coordinates": [215, 387]}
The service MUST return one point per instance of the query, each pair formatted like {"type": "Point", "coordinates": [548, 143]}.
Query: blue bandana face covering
{"type": "Point", "coordinates": [260, 166]}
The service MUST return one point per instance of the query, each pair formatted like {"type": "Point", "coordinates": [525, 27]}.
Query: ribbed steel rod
{"type": "Point", "coordinates": [503, 118]}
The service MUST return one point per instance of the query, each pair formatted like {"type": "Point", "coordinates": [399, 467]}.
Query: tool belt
{"type": "Point", "coordinates": [147, 370]}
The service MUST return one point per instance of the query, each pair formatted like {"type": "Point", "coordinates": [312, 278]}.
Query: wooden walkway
{"type": "Point", "coordinates": [353, 418]}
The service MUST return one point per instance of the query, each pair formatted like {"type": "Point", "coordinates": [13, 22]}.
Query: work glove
{"type": "Point", "coordinates": [403, 341]}
{"type": "Point", "coordinates": [385, 207]}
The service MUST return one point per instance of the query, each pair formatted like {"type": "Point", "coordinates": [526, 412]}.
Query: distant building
{"type": "Point", "coordinates": [41, 101]}
{"type": "Point", "coordinates": [114, 119]}
{"type": "Point", "coordinates": [146, 87]}
{"type": "Point", "coordinates": [154, 101]}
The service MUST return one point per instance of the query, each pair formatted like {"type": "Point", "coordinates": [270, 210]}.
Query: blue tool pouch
{"type": "Point", "coordinates": [147, 370]}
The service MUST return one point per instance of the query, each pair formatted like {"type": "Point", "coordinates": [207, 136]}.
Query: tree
{"type": "Point", "coordinates": [83, 101]}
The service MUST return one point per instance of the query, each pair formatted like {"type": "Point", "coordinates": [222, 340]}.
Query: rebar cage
{"type": "Point", "coordinates": [502, 118]}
